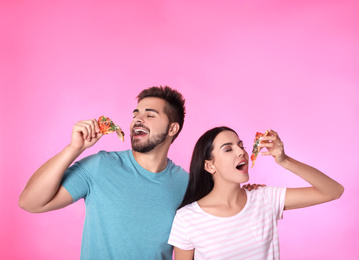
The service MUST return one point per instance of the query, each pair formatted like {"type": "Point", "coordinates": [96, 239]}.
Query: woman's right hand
{"type": "Point", "coordinates": [85, 134]}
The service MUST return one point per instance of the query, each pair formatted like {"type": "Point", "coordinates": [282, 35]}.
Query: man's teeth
{"type": "Point", "coordinates": [138, 131]}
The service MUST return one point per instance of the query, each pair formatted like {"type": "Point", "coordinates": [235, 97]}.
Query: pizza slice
{"type": "Point", "coordinates": [108, 126]}
{"type": "Point", "coordinates": [256, 148]}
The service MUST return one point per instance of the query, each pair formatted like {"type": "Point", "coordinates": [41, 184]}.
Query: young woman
{"type": "Point", "coordinates": [218, 219]}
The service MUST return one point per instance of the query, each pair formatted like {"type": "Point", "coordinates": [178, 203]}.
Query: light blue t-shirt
{"type": "Point", "coordinates": [129, 210]}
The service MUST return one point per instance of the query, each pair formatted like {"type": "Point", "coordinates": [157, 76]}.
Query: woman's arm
{"type": "Point", "coordinates": [323, 188]}
{"type": "Point", "coordinates": [181, 254]}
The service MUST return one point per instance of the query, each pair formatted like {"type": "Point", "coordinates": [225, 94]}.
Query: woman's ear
{"type": "Point", "coordinates": [209, 167]}
{"type": "Point", "coordinates": [174, 128]}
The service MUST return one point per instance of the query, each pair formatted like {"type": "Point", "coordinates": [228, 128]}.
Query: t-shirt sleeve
{"type": "Point", "coordinates": [78, 178]}
{"type": "Point", "coordinates": [276, 196]}
{"type": "Point", "coordinates": [178, 236]}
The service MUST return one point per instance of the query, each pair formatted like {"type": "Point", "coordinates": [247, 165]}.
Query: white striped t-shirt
{"type": "Point", "coordinates": [250, 234]}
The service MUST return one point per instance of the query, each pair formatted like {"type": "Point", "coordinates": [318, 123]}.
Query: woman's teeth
{"type": "Point", "coordinates": [239, 166]}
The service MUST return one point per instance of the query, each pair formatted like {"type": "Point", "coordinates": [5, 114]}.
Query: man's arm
{"type": "Point", "coordinates": [44, 192]}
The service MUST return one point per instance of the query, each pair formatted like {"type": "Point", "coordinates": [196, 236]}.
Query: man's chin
{"type": "Point", "coordinates": [142, 148]}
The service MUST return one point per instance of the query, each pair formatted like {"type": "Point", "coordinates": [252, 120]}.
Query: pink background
{"type": "Point", "coordinates": [287, 65]}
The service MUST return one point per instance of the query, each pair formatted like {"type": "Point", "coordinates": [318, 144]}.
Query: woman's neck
{"type": "Point", "coordinates": [223, 202]}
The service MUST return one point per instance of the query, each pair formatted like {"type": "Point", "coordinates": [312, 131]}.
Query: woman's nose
{"type": "Point", "coordinates": [240, 152]}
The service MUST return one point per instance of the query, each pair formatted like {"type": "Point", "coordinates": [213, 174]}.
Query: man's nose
{"type": "Point", "coordinates": [138, 118]}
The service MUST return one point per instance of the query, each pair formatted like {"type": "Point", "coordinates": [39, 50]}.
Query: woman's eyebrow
{"type": "Point", "coordinates": [226, 144]}
{"type": "Point", "coordinates": [240, 142]}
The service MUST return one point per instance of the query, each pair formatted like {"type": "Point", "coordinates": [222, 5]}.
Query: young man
{"type": "Point", "coordinates": [131, 196]}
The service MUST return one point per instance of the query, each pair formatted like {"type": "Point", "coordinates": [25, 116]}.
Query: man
{"type": "Point", "coordinates": [131, 196]}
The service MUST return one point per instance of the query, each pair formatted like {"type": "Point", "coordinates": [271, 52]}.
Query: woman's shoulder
{"type": "Point", "coordinates": [192, 207]}
{"type": "Point", "coordinates": [267, 192]}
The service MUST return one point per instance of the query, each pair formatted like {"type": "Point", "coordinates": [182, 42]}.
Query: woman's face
{"type": "Point", "coordinates": [229, 159]}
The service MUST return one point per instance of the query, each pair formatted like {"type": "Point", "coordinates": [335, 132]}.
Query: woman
{"type": "Point", "coordinates": [218, 219]}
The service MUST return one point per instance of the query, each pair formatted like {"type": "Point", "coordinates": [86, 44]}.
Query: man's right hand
{"type": "Point", "coordinates": [85, 134]}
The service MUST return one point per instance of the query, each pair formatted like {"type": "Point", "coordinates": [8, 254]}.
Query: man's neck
{"type": "Point", "coordinates": [153, 161]}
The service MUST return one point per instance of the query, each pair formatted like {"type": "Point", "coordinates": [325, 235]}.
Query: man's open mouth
{"type": "Point", "coordinates": [140, 131]}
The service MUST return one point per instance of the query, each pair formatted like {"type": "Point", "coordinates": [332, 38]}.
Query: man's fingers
{"type": "Point", "coordinates": [94, 127]}
{"type": "Point", "coordinates": [250, 187]}
{"type": "Point", "coordinates": [87, 128]}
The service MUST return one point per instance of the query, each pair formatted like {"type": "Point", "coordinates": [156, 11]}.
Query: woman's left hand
{"type": "Point", "coordinates": [274, 145]}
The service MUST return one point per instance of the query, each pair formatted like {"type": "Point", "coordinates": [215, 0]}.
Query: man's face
{"type": "Point", "coordinates": [149, 127]}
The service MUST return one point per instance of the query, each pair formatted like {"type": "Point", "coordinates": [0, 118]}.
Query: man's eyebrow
{"type": "Point", "coordinates": [146, 110]}
{"type": "Point", "coordinates": [151, 110]}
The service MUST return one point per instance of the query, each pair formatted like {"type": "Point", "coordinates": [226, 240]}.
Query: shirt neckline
{"type": "Point", "coordinates": [198, 207]}
{"type": "Point", "coordinates": [148, 173]}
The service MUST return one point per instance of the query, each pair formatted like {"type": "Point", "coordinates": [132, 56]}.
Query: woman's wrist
{"type": "Point", "coordinates": [284, 161]}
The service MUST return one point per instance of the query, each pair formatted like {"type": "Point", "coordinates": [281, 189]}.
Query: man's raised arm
{"type": "Point", "coordinates": [44, 192]}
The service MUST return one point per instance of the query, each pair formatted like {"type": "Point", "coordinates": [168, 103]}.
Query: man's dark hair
{"type": "Point", "coordinates": [175, 103]}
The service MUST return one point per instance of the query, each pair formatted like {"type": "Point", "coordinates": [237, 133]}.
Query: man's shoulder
{"type": "Point", "coordinates": [177, 169]}
{"type": "Point", "coordinates": [104, 158]}
{"type": "Point", "coordinates": [113, 154]}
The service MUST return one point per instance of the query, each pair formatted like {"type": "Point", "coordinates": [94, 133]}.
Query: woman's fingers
{"type": "Point", "coordinates": [274, 145]}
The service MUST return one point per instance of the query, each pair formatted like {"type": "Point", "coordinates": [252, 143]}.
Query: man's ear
{"type": "Point", "coordinates": [209, 167]}
{"type": "Point", "coordinates": [174, 128]}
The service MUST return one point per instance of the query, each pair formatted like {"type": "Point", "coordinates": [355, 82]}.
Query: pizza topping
{"type": "Point", "coordinates": [108, 126]}
{"type": "Point", "coordinates": [256, 149]}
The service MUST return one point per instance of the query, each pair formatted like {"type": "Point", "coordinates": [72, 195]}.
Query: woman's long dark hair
{"type": "Point", "coordinates": [200, 181]}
